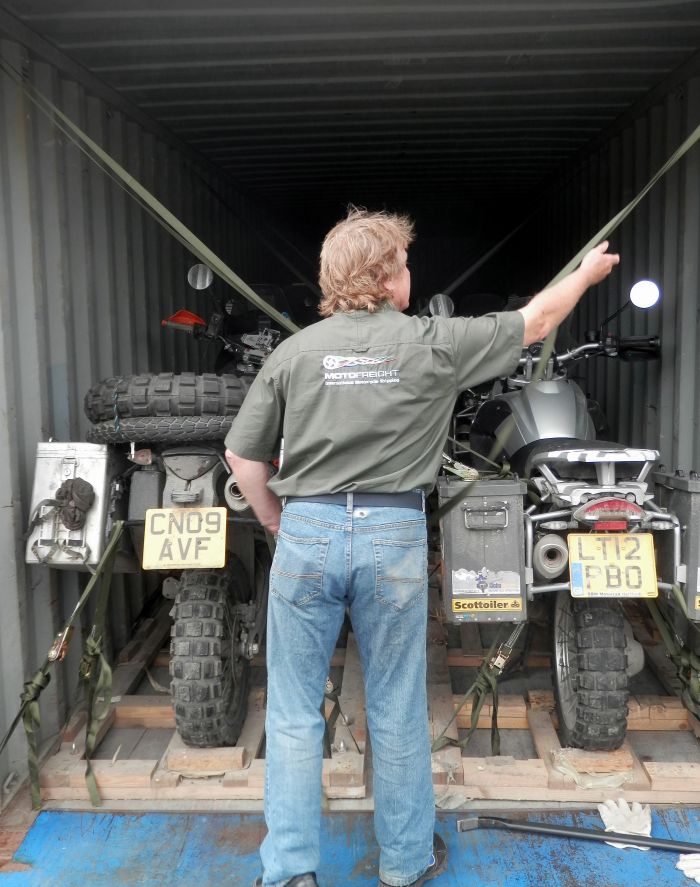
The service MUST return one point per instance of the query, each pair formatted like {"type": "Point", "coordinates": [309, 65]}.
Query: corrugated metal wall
{"type": "Point", "coordinates": [85, 278]}
{"type": "Point", "coordinates": [646, 403]}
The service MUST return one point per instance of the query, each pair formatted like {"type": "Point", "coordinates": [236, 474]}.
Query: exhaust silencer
{"type": "Point", "coordinates": [550, 557]}
{"type": "Point", "coordinates": [235, 500]}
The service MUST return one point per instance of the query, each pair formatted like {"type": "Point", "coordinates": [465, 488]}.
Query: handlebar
{"type": "Point", "coordinates": [626, 348]}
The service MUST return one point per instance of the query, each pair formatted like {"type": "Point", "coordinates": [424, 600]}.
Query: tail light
{"type": "Point", "coordinates": [609, 514]}
{"type": "Point", "coordinates": [183, 318]}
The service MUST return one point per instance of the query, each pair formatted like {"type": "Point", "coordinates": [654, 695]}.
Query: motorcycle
{"type": "Point", "coordinates": [164, 434]}
{"type": "Point", "coordinates": [159, 441]}
{"type": "Point", "coordinates": [245, 336]}
{"type": "Point", "coordinates": [582, 514]}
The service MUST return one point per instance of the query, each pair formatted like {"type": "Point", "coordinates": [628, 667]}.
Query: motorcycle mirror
{"type": "Point", "coordinates": [441, 305]}
{"type": "Point", "coordinates": [200, 277]}
{"type": "Point", "coordinates": [644, 294]}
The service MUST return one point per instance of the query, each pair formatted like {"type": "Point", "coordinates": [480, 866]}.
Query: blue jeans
{"type": "Point", "coordinates": [373, 561]}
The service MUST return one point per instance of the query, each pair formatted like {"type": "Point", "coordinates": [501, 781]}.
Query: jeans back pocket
{"type": "Point", "coordinates": [401, 571]}
{"type": "Point", "coordinates": [297, 568]}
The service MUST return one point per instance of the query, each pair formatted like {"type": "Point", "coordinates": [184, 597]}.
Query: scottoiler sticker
{"type": "Point", "coordinates": [485, 581]}
{"type": "Point", "coordinates": [476, 605]}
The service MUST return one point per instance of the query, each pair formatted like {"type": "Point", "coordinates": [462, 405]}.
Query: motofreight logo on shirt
{"type": "Point", "coordinates": [338, 370]}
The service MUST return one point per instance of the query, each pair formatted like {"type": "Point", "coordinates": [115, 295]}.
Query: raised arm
{"type": "Point", "coordinates": [545, 311]}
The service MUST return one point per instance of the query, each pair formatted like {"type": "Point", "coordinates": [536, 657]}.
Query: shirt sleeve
{"type": "Point", "coordinates": [486, 347]}
{"type": "Point", "coordinates": [257, 428]}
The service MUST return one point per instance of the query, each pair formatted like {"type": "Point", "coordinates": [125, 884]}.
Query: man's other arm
{"type": "Point", "coordinates": [545, 311]}
{"type": "Point", "coordinates": [252, 478]}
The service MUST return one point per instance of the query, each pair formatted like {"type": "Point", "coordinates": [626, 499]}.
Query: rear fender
{"type": "Point", "coordinates": [193, 476]}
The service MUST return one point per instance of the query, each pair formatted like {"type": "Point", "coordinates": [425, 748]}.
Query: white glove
{"type": "Point", "coordinates": [619, 817]}
{"type": "Point", "coordinates": [689, 864]}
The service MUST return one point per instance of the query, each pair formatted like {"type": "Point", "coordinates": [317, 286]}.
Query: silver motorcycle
{"type": "Point", "coordinates": [588, 526]}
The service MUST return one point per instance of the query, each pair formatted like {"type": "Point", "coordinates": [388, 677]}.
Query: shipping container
{"type": "Point", "coordinates": [521, 126]}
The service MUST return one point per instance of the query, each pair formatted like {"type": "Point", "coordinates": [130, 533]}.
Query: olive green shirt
{"type": "Point", "coordinates": [363, 401]}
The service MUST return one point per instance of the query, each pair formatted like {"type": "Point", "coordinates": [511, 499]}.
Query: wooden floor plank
{"type": "Point", "coordinates": [486, 773]}
{"type": "Point", "coordinates": [682, 777]}
{"type": "Point", "coordinates": [144, 711]}
{"type": "Point", "coordinates": [547, 745]}
{"type": "Point", "coordinates": [639, 778]}
{"type": "Point", "coordinates": [597, 762]}
{"type": "Point", "coordinates": [184, 759]}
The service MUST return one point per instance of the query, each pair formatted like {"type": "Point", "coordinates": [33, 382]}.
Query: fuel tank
{"type": "Point", "coordinates": [537, 411]}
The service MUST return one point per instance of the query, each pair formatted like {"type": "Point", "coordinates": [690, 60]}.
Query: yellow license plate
{"type": "Point", "coordinates": [618, 565]}
{"type": "Point", "coordinates": [184, 538]}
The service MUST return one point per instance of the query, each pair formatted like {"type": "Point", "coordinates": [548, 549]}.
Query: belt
{"type": "Point", "coordinates": [360, 500]}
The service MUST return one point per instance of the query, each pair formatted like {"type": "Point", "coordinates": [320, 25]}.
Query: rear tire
{"type": "Point", "coordinates": [210, 682]}
{"type": "Point", "coordinates": [591, 681]}
{"type": "Point", "coordinates": [160, 429]}
{"type": "Point", "coordinates": [164, 394]}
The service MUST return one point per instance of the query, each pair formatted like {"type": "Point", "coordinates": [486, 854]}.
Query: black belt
{"type": "Point", "coordinates": [366, 500]}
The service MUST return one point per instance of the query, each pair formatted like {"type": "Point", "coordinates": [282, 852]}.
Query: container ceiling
{"type": "Point", "coordinates": [441, 103]}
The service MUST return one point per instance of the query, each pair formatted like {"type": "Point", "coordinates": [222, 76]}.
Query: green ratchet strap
{"type": "Point", "coordinates": [96, 675]}
{"type": "Point", "coordinates": [687, 663]}
{"type": "Point", "coordinates": [29, 712]}
{"type": "Point", "coordinates": [486, 682]}
{"type": "Point", "coordinates": [147, 200]}
{"type": "Point", "coordinates": [31, 718]}
{"type": "Point", "coordinates": [502, 468]}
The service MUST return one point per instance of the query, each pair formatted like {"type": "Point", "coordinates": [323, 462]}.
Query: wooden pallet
{"type": "Point", "coordinates": [565, 774]}
{"type": "Point", "coordinates": [555, 774]}
{"type": "Point", "coordinates": [184, 773]}
{"type": "Point", "coordinates": [545, 778]}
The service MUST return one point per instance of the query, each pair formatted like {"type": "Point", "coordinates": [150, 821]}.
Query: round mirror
{"type": "Point", "coordinates": [441, 305]}
{"type": "Point", "coordinates": [644, 294]}
{"type": "Point", "coordinates": [200, 277]}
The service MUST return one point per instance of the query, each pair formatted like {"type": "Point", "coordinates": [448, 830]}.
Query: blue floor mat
{"type": "Point", "coordinates": [221, 850]}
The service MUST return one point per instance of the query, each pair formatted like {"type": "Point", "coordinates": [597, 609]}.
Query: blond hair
{"type": "Point", "coordinates": [359, 255]}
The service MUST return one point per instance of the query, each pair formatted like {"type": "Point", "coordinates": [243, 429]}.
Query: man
{"type": "Point", "coordinates": [362, 402]}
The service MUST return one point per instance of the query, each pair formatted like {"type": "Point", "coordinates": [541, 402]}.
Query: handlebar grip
{"type": "Point", "coordinates": [639, 347]}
